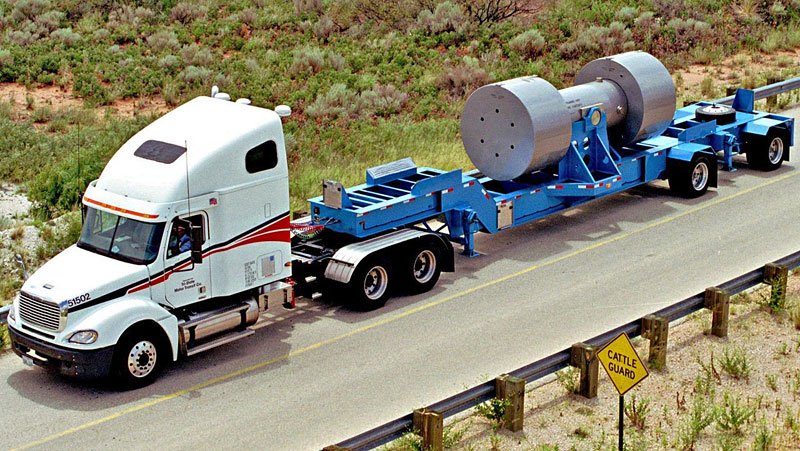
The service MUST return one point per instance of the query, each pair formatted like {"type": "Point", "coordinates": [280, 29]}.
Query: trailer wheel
{"type": "Point", "coordinates": [422, 269]}
{"type": "Point", "coordinates": [766, 153]}
{"type": "Point", "coordinates": [723, 114]}
{"type": "Point", "coordinates": [691, 180]}
{"type": "Point", "coordinates": [138, 359]}
{"type": "Point", "coordinates": [371, 284]}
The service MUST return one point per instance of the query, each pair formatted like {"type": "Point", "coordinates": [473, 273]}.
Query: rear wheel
{"type": "Point", "coordinates": [766, 153]}
{"type": "Point", "coordinates": [138, 359]}
{"type": "Point", "coordinates": [371, 283]}
{"type": "Point", "coordinates": [691, 180]}
{"type": "Point", "coordinates": [422, 268]}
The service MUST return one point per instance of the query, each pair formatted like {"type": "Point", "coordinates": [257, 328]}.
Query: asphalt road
{"type": "Point", "coordinates": [319, 374]}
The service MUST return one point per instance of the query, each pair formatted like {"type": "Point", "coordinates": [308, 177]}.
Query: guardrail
{"type": "Point", "coordinates": [766, 91]}
{"type": "Point", "coordinates": [481, 393]}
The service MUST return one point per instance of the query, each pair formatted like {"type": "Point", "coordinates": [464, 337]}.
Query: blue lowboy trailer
{"type": "Point", "coordinates": [397, 228]}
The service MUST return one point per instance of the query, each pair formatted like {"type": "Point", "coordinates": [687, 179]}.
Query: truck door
{"type": "Point", "coordinates": [186, 282]}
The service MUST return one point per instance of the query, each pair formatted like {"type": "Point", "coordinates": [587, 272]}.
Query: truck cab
{"type": "Point", "coordinates": [186, 226]}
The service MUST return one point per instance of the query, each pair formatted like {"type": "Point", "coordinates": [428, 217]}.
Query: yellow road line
{"type": "Point", "coordinates": [401, 315]}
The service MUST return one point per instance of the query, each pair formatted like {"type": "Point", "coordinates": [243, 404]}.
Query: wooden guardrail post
{"type": "Point", "coordinates": [429, 424]}
{"type": "Point", "coordinates": [718, 301]}
{"type": "Point", "coordinates": [512, 389]}
{"type": "Point", "coordinates": [584, 357]}
{"type": "Point", "coordinates": [656, 329]}
{"type": "Point", "coordinates": [777, 276]}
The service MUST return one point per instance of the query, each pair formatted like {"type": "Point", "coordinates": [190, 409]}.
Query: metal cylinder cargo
{"type": "Point", "coordinates": [522, 125]}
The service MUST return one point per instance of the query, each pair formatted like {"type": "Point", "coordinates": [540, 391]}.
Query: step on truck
{"type": "Point", "coordinates": [187, 236]}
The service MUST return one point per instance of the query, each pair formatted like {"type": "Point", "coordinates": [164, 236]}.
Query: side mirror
{"type": "Point", "coordinates": [197, 244]}
{"type": "Point", "coordinates": [21, 262]}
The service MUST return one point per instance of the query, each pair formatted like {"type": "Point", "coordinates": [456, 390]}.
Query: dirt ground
{"type": "Point", "coordinates": [24, 101]}
{"type": "Point", "coordinates": [739, 392]}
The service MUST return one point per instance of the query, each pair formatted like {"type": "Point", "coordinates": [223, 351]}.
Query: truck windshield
{"type": "Point", "coordinates": [121, 238]}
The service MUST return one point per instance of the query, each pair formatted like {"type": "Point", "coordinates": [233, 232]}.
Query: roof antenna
{"type": "Point", "coordinates": [186, 160]}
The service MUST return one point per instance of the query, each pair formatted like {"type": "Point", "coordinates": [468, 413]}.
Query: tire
{"type": "Point", "coordinates": [766, 153]}
{"type": "Point", "coordinates": [691, 180]}
{"type": "Point", "coordinates": [422, 268]}
{"type": "Point", "coordinates": [723, 114]}
{"type": "Point", "coordinates": [371, 284]}
{"type": "Point", "coordinates": [138, 359]}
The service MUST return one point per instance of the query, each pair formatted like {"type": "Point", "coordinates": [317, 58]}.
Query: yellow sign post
{"type": "Point", "coordinates": [625, 369]}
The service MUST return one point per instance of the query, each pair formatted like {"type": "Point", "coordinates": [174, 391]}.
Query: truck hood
{"type": "Point", "coordinates": [79, 278]}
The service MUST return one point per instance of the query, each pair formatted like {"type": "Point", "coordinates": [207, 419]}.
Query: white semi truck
{"type": "Point", "coordinates": [187, 237]}
{"type": "Point", "coordinates": [126, 298]}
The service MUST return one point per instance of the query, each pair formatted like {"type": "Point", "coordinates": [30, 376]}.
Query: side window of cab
{"type": "Point", "coordinates": [261, 157]}
{"type": "Point", "coordinates": [180, 237]}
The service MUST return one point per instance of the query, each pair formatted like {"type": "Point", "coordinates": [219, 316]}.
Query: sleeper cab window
{"type": "Point", "coordinates": [261, 157]}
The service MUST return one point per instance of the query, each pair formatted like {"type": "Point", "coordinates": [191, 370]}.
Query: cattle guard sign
{"type": "Point", "coordinates": [625, 369]}
{"type": "Point", "coordinates": [622, 363]}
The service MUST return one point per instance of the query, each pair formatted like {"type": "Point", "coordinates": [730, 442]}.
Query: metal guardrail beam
{"type": "Point", "coordinates": [4, 314]}
{"type": "Point", "coordinates": [767, 91]}
{"type": "Point", "coordinates": [481, 393]}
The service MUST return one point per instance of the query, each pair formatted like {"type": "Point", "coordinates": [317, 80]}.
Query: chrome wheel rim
{"type": "Point", "coordinates": [775, 151]}
{"type": "Point", "coordinates": [375, 282]}
{"type": "Point", "coordinates": [424, 266]}
{"type": "Point", "coordinates": [700, 176]}
{"type": "Point", "coordinates": [142, 359]}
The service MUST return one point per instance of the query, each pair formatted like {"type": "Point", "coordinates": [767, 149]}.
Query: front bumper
{"type": "Point", "coordinates": [93, 363]}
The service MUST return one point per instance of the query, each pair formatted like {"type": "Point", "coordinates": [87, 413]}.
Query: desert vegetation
{"type": "Point", "coordinates": [368, 81]}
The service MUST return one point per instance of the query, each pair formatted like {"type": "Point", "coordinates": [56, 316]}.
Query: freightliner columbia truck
{"type": "Point", "coordinates": [131, 295]}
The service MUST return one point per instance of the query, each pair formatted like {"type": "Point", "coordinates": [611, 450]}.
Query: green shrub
{"type": "Point", "coordinates": [308, 7]}
{"type": "Point", "coordinates": [461, 79]}
{"type": "Point", "coordinates": [28, 9]}
{"type": "Point", "coordinates": [529, 44]}
{"type": "Point", "coordinates": [87, 86]}
{"type": "Point", "coordinates": [735, 362]}
{"type": "Point", "coordinates": [338, 102]}
{"type": "Point", "coordinates": [50, 21]}
{"type": "Point", "coordinates": [734, 415]}
{"type": "Point", "coordinates": [307, 60]}
{"type": "Point", "coordinates": [382, 100]}
{"type": "Point", "coordinates": [569, 378]}
{"type": "Point", "coordinates": [186, 12]}
{"type": "Point", "coordinates": [599, 41]}
{"type": "Point", "coordinates": [194, 75]}
{"type": "Point", "coordinates": [493, 410]}
{"type": "Point", "coordinates": [445, 17]}
{"type": "Point", "coordinates": [196, 55]}
{"type": "Point", "coordinates": [66, 36]}
{"type": "Point", "coordinates": [163, 40]}
{"type": "Point", "coordinates": [324, 28]}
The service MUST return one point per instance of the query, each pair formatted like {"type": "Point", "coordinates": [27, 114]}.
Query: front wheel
{"type": "Point", "coordinates": [691, 180]}
{"type": "Point", "coordinates": [766, 153]}
{"type": "Point", "coordinates": [370, 285]}
{"type": "Point", "coordinates": [138, 359]}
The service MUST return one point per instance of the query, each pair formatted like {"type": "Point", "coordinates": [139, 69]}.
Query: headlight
{"type": "Point", "coordinates": [83, 337]}
{"type": "Point", "coordinates": [11, 314]}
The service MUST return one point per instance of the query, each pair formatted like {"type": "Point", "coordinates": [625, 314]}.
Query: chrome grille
{"type": "Point", "coordinates": [38, 312]}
